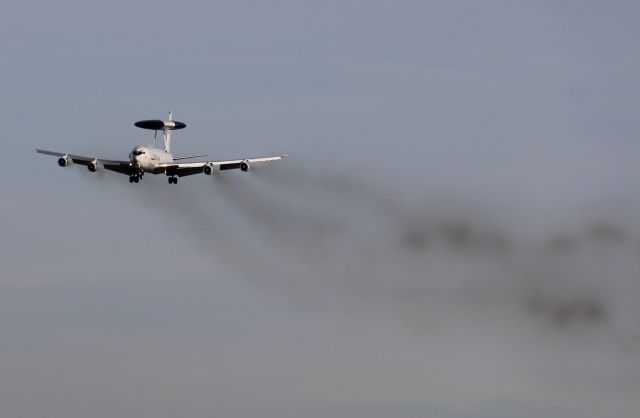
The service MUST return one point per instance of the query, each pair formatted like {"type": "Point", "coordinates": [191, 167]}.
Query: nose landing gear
{"type": "Point", "coordinates": [135, 178]}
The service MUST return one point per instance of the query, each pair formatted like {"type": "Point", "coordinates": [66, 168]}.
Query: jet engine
{"type": "Point", "coordinates": [63, 161]}
{"type": "Point", "coordinates": [93, 166]}
{"type": "Point", "coordinates": [207, 169]}
{"type": "Point", "coordinates": [244, 166]}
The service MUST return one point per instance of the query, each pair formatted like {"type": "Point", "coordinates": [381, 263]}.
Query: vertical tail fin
{"type": "Point", "coordinates": [167, 136]}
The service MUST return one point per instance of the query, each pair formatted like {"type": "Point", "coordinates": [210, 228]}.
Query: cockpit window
{"type": "Point", "coordinates": [138, 152]}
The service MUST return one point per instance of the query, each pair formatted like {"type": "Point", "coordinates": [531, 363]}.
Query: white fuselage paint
{"type": "Point", "coordinates": [147, 158]}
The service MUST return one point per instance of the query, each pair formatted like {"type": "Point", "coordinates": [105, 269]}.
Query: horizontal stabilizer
{"type": "Point", "coordinates": [190, 156]}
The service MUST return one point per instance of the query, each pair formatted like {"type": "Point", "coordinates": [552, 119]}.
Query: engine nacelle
{"type": "Point", "coordinates": [63, 161]}
{"type": "Point", "coordinates": [244, 166]}
{"type": "Point", "coordinates": [93, 166]}
{"type": "Point", "coordinates": [208, 169]}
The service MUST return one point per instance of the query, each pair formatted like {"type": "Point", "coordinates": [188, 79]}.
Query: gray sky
{"type": "Point", "coordinates": [455, 233]}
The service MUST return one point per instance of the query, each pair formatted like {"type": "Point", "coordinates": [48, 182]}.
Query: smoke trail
{"type": "Point", "coordinates": [330, 238]}
{"type": "Point", "coordinates": [338, 236]}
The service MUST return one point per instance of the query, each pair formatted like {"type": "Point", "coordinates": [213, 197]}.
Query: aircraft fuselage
{"type": "Point", "coordinates": [146, 158]}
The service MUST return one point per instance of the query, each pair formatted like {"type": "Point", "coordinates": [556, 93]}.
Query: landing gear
{"type": "Point", "coordinates": [173, 180]}
{"type": "Point", "coordinates": [134, 178]}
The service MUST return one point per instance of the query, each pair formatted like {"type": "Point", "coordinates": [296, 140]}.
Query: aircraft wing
{"type": "Point", "coordinates": [235, 164]}
{"type": "Point", "coordinates": [188, 169]}
{"type": "Point", "coordinates": [123, 167]}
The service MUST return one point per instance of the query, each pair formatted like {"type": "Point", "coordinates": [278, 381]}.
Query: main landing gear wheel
{"type": "Point", "coordinates": [173, 180]}
{"type": "Point", "coordinates": [134, 179]}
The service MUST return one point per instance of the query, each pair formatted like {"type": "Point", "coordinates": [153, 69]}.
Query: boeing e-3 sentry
{"type": "Point", "coordinates": [149, 159]}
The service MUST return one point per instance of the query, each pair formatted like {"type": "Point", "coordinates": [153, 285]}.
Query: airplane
{"type": "Point", "coordinates": [149, 159]}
